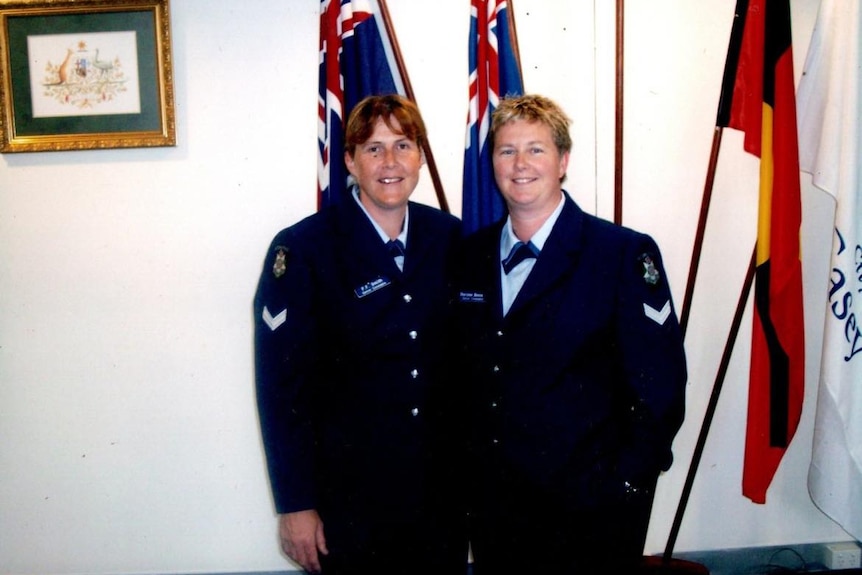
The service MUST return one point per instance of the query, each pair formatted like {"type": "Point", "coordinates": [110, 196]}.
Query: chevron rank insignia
{"type": "Point", "coordinates": [658, 315]}
{"type": "Point", "coordinates": [274, 321]}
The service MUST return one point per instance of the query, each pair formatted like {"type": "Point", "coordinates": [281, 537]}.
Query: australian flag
{"type": "Point", "coordinates": [356, 60]}
{"type": "Point", "coordinates": [494, 74]}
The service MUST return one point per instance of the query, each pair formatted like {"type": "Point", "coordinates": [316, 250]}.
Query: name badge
{"type": "Point", "coordinates": [471, 297]}
{"type": "Point", "coordinates": [372, 286]}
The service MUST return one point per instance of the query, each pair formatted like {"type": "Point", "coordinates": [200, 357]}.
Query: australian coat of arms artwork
{"type": "Point", "coordinates": [84, 77]}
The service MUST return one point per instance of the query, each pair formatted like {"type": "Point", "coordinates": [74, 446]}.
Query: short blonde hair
{"type": "Point", "coordinates": [533, 108]}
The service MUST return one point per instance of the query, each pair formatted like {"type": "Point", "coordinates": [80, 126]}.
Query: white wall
{"type": "Point", "coordinates": [127, 417]}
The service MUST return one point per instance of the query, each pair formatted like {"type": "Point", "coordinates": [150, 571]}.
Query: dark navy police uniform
{"type": "Point", "coordinates": [577, 394]}
{"type": "Point", "coordinates": [353, 388]}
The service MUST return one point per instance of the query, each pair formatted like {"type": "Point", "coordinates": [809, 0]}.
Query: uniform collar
{"type": "Point", "coordinates": [509, 239]}
{"type": "Point", "coordinates": [385, 238]}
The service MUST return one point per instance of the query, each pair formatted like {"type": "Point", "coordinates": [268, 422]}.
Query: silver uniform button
{"type": "Point", "coordinates": [495, 369]}
{"type": "Point", "coordinates": [499, 334]}
{"type": "Point", "coordinates": [414, 373]}
{"type": "Point", "coordinates": [414, 412]}
{"type": "Point", "coordinates": [413, 334]}
{"type": "Point", "coordinates": [408, 298]}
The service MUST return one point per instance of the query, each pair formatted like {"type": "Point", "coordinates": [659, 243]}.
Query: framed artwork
{"type": "Point", "coordinates": [85, 74]}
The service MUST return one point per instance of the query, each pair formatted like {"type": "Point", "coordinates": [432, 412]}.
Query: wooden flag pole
{"type": "Point", "coordinates": [649, 564]}
{"type": "Point", "coordinates": [711, 406]}
{"type": "Point", "coordinates": [731, 338]}
{"type": "Point", "coordinates": [513, 35]}
{"type": "Point", "coordinates": [429, 157]}
{"type": "Point", "coordinates": [701, 229]}
{"type": "Point", "coordinates": [618, 144]}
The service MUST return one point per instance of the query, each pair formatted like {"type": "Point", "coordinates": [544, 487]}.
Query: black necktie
{"type": "Point", "coordinates": [395, 248]}
{"type": "Point", "coordinates": [520, 252]}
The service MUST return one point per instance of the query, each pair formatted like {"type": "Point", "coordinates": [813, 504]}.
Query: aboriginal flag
{"type": "Point", "coordinates": [758, 98]}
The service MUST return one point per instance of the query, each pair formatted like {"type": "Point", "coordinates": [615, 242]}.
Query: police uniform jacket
{"type": "Point", "coordinates": [580, 387]}
{"type": "Point", "coordinates": [350, 357]}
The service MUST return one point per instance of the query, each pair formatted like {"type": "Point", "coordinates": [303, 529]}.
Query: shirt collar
{"type": "Point", "coordinates": [509, 239]}
{"type": "Point", "coordinates": [402, 236]}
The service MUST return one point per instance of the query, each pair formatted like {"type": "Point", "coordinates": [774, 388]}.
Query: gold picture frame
{"type": "Point", "coordinates": [85, 74]}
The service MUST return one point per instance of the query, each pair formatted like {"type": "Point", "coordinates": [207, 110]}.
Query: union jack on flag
{"type": "Point", "coordinates": [494, 73]}
{"type": "Point", "coordinates": [356, 60]}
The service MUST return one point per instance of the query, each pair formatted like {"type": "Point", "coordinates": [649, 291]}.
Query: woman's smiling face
{"type": "Point", "coordinates": [386, 167]}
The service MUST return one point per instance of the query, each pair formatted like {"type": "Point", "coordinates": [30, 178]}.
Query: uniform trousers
{"type": "Point", "coordinates": [520, 527]}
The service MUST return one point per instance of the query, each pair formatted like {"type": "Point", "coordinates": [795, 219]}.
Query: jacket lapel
{"type": "Point", "coordinates": [557, 257]}
{"type": "Point", "coordinates": [361, 242]}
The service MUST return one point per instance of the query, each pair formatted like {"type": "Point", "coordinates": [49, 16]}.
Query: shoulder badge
{"type": "Point", "coordinates": [650, 273]}
{"type": "Point", "coordinates": [280, 265]}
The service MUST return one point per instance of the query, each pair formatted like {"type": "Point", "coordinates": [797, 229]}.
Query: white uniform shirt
{"type": "Point", "coordinates": [399, 260]}
{"type": "Point", "coordinates": [514, 280]}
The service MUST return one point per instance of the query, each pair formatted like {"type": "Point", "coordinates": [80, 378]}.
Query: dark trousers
{"type": "Point", "coordinates": [518, 528]}
{"type": "Point", "coordinates": [431, 543]}
{"type": "Point", "coordinates": [396, 563]}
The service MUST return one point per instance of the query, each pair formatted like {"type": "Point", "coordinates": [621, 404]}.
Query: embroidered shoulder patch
{"type": "Point", "coordinates": [280, 264]}
{"type": "Point", "coordinates": [650, 273]}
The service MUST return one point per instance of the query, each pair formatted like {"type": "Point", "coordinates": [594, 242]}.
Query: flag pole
{"type": "Point", "coordinates": [713, 402]}
{"type": "Point", "coordinates": [618, 145]}
{"type": "Point", "coordinates": [722, 119]}
{"type": "Point", "coordinates": [513, 35]}
{"type": "Point", "coordinates": [429, 157]}
{"type": "Point", "coordinates": [701, 228]}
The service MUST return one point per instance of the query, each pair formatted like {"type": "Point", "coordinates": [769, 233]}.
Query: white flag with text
{"type": "Point", "coordinates": [830, 129]}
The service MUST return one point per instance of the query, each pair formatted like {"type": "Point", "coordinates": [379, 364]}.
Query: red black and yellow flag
{"type": "Point", "coordinates": [758, 98]}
